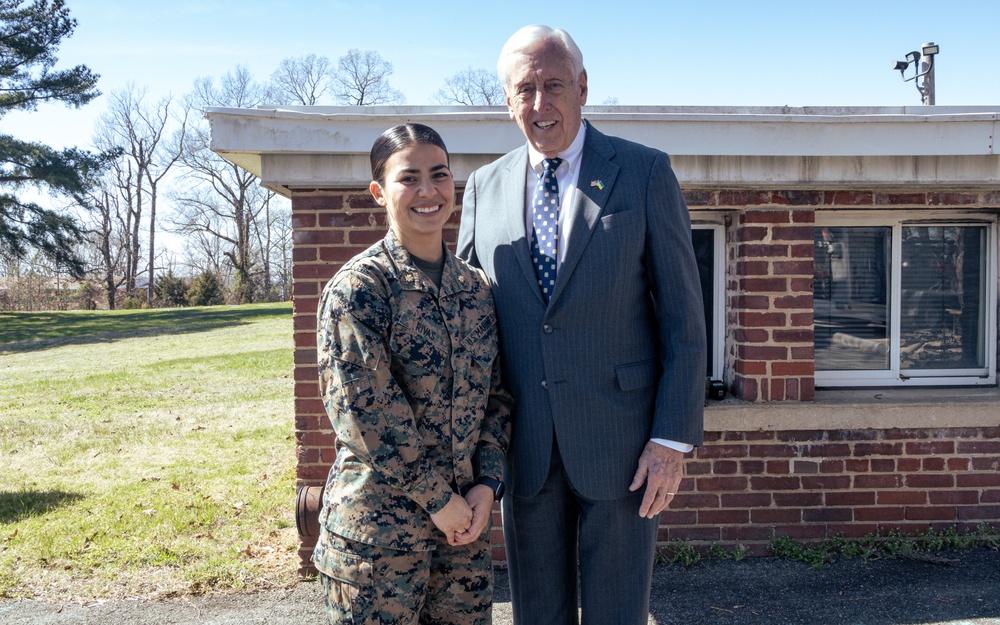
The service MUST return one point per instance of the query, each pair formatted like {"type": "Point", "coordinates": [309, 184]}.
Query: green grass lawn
{"type": "Point", "coordinates": [146, 453]}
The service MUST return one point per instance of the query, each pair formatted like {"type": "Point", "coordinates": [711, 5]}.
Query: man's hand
{"type": "Point", "coordinates": [662, 469]}
{"type": "Point", "coordinates": [454, 519]}
{"type": "Point", "coordinates": [480, 499]}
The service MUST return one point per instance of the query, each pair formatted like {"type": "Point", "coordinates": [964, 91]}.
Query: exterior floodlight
{"type": "Point", "coordinates": [922, 70]}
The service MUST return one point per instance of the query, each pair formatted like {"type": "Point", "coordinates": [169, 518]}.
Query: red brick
{"type": "Point", "coordinates": [803, 216]}
{"type": "Point", "coordinates": [957, 465]}
{"type": "Point", "coordinates": [764, 285]}
{"type": "Point", "coordinates": [693, 467]}
{"type": "Point", "coordinates": [826, 482]}
{"type": "Point", "coordinates": [798, 198]}
{"type": "Point", "coordinates": [851, 499]}
{"type": "Point", "coordinates": [743, 198]}
{"type": "Point", "coordinates": [707, 484]}
{"type": "Point", "coordinates": [849, 198]}
{"type": "Point", "coordinates": [902, 497]}
{"type": "Point", "coordinates": [977, 480]}
{"type": "Point", "coordinates": [908, 465]}
{"type": "Point", "coordinates": [931, 513]}
{"type": "Point", "coordinates": [985, 464]}
{"type": "Point", "coordinates": [761, 250]}
{"type": "Point", "coordinates": [340, 254]}
{"type": "Point", "coordinates": [764, 217]}
{"type": "Point", "coordinates": [827, 515]}
{"type": "Point", "coordinates": [925, 480]}
{"type": "Point", "coordinates": [317, 237]}
{"type": "Point", "coordinates": [801, 532]}
{"type": "Point", "coordinates": [978, 447]}
{"type": "Point", "coordinates": [878, 449]}
{"type": "Point", "coordinates": [722, 451]}
{"type": "Point", "coordinates": [698, 198]}
{"type": "Point", "coordinates": [791, 302]}
{"type": "Point", "coordinates": [306, 254]}
{"type": "Point", "coordinates": [882, 465]}
{"type": "Point", "coordinates": [723, 517]}
{"type": "Point", "coordinates": [933, 464]}
{"type": "Point", "coordinates": [761, 320]}
{"type": "Point", "coordinates": [955, 497]}
{"type": "Point", "coordinates": [751, 335]}
{"type": "Point", "coordinates": [797, 499]}
{"type": "Point", "coordinates": [798, 320]}
{"type": "Point", "coordinates": [745, 389]}
{"type": "Point", "coordinates": [312, 272]}
{"type": "Point", "coordinates": [878, 481]}
{"type": "Point", "coordinates": [316, 202]}
{"type": "Point", "coordinates": [745, 367]}
{"type": "Point", "coordinates": [777, 390]}
{"type": "Point", "coordinates": [988, 513]}
{"type": "Point", "coordinates": [694, 500]}
{"type": "Point", "coordinates": [930, 448]}
{"type": "Point", "coordinates": [303, 220]}
{"type": "Point", "coordinates": [776, 515]}
{"type": "Point", "coordinates": [801, 250]}
{"type": "Point", "coordinates": [365, 237]}
{"type": "Point", "coordinates": [793, 336]}
{"type": "Point", "coordinates": [798, 368]}
{"type": "Point", "coordinates": [793, 233]}
{"type": "Point", "coordinates": [831, 466]}
{"type": "Point", "coordinates": [952, 199]}
{"type": "Point", "coordinates": [800, 285]}
{"type": "Point", "coordinates": [753, 234]}
{"type": "Point", "coordinates": [746, 532]}
{"type": "Point", "coordinates": [764, 450]}
{"type": "Point", "coordinates": [827, 450]}
{"type": "Point", "coordinates": [750, 302]}
{"type": "Point", "coordinates": [761, 352]}
{"type": "Point", "coordinates": [707, 534]}
{"type": "Point", "coordinates": [745, 500]}
{"type": "Point", "coordinates": [751, 467]}
{"type": "Point", "coordinates": [856, 466]}
{"type": "Point", "coordinates": [725, 467]}
{"type": "Point", "coordinates": [772, 484]}
{"type": "Point", "coordinates": [879, 514]}
{"type": "Point", "coordinates": [919, 199]}
{"type": "Point", "coordinates": [362, 200]}
{"type": "Point", "coordinates": [678, 517]}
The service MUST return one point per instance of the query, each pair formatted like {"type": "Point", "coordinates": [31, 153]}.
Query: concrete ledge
{"type": "Point", "coordinates": [879, 409]}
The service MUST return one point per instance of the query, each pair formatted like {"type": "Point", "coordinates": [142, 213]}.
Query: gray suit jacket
{"type": "Point", "coordinates": [618, 355]}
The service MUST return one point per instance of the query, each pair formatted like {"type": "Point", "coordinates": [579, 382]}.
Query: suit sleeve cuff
{"type": "Point", "coordinates": [681, 447]}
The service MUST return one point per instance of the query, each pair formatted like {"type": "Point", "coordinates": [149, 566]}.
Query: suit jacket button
{"type": "Point", "coordinates": [547, 328]}
{"type": "Point", "coordinates": [545, 384]}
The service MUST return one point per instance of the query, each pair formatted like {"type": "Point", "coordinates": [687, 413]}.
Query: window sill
{"type": "Point", "coordinates": [862, 409]}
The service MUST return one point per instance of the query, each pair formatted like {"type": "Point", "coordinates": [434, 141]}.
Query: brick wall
{"type": "Point", "coordinates": [746, 487]}
{"type": "Point", "coordinates": [742, 487]}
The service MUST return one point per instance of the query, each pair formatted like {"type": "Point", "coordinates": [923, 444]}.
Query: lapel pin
{"type": "Point", "coordinates": [598, 184]}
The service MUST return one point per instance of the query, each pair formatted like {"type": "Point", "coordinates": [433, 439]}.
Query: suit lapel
{"type": "Point", "coordinates": [595, 167]}
{"type": "Point", "coordinates": [514, 216]}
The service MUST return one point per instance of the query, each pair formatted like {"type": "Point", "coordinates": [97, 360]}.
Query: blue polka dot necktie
{"type": "Point", "coordinates": [545, 227]}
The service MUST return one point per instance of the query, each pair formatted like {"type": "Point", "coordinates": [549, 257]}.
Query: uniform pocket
{"type": "Point", "coordinates": [482, 342]}
{"type": "Point", "coordinates": [350, 591]}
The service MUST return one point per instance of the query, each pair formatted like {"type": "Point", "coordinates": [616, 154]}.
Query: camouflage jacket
{"type": "Point", "coordinates": [411, 383]}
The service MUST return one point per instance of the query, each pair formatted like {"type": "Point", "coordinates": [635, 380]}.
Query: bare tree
{"type": "Point", "coordinates": [138, 128]}
{"type": "Point", "coordinates": [108, 237]}
{"type": "Point", "coordinates": [471, 87]}
{"type": "Point", "coordinates": [362, 78]}
{"type": "Point", "coordinates": [223, 201]}
{"type": "Point", "coordinates": [302, 80]}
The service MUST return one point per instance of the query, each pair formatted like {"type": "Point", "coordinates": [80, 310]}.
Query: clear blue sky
{"type": "Point", "coordinates": [654, 52]}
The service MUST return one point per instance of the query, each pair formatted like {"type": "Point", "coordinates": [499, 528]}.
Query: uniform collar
{"type": "Point", "coordinates": [455, 276]}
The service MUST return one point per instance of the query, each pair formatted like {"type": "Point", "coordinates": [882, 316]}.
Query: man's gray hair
{"type": "Point", "coordinates": [529, 37]}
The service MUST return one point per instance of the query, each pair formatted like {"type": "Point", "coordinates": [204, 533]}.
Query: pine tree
{"type": "Point", "coordinates": [30, 33]}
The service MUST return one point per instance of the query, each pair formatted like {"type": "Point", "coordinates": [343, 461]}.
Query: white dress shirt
{"type": "Point", "coordinates": [568, 178]}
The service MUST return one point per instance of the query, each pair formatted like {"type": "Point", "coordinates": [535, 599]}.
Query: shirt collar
{"type": "Point", "coordinates": [570, 155]}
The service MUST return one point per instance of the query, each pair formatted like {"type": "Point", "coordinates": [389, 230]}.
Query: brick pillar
{"type": "Point", "coordinates": [770, 318]}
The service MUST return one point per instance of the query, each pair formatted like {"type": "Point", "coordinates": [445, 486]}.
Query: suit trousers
{"type": "Point", "coordinates": [557, 533]}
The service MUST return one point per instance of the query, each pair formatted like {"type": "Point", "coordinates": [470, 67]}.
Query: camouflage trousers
{"type": "Point", "coordinates": [370, 585]}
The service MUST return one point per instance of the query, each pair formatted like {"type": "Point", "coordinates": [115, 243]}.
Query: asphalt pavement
{"type": "Point", "coordinates": [954, 588]}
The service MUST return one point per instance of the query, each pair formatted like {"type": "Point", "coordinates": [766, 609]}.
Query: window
{"type": "Point", "coordinates": [905, 301]}
{"type": "Point", "coordinates": [709, 249]}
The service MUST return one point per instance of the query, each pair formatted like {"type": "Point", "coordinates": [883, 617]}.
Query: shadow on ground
{"type": "Point", "coordinates": [26, 332]}
{"type": "Point", "coordinates": [19, 505]}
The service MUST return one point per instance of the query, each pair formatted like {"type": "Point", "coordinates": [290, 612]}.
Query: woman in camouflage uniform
{"type": "Point", "coordinates": [408, 366]}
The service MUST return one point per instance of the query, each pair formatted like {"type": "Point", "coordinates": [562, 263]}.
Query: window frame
{"type": "Point", "coordinates": [894, 375]}
{"type": "Point", "coordinates": [716, 223]}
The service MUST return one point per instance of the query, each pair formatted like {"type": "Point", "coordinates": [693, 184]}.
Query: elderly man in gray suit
{"type": "Point", "coordinates": [587, 244]}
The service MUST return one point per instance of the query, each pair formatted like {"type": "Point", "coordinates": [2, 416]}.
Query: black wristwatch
{"type": "Point", "coordinates": [495, 485]}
